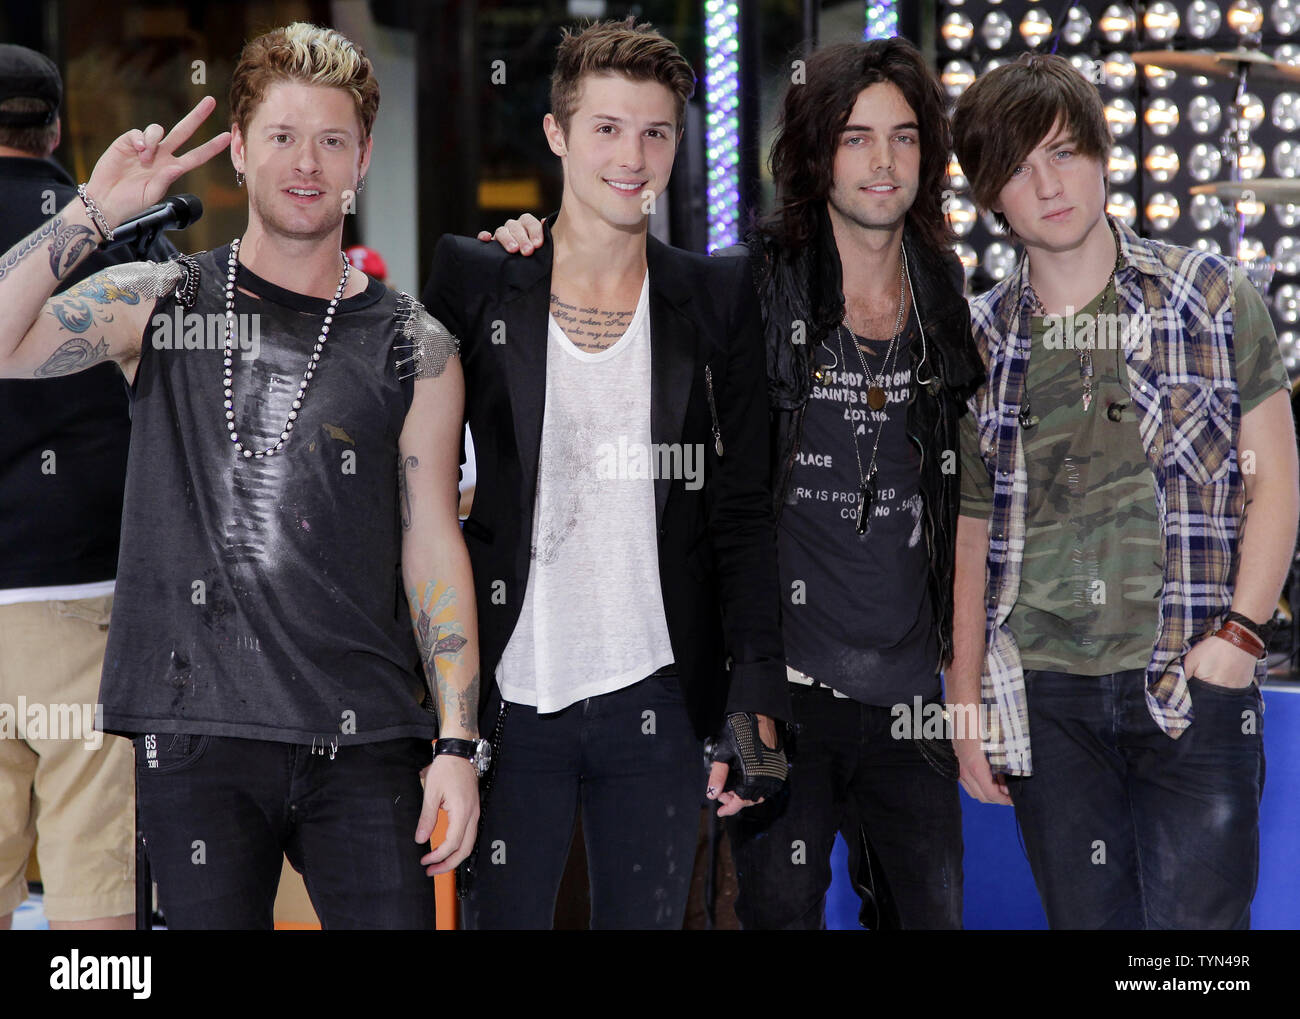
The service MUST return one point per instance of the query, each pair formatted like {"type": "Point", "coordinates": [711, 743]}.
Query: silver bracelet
{"type": "Point", "coordinates": [92, 210]}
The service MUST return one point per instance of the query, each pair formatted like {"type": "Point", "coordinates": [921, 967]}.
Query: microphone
{"type": "Point", "coordinates": [174, 213]}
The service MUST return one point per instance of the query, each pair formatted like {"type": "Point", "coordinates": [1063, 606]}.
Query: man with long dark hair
{"type": "Point", "coordinates": [869, 356]}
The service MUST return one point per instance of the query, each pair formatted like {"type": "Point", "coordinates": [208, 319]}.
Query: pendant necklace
{"type": "Point", "coordinates": [876, 400]}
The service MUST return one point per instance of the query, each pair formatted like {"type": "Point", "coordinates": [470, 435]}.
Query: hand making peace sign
{"type": "Point", "coordinates": [137, 170]}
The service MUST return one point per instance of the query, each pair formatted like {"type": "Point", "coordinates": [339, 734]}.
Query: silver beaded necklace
{"type": "Point", "coordinates": [229, 361]}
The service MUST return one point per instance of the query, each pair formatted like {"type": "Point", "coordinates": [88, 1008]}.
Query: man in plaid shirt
{"type": "Point", "coordinates": [1135, 408]}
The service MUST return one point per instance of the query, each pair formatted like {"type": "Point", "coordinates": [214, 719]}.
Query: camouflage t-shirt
{"type": "Point", "coordinates": [1089, 599]}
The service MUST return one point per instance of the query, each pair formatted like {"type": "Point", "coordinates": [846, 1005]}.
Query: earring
{"type": "Point", "coordinates": [361, 185]}
{"type": "Point", "coordinates": [239, 178]}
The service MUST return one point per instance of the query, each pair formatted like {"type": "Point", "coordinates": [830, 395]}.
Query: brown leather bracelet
{"type": "Point", "coordinates": [1239, 636]}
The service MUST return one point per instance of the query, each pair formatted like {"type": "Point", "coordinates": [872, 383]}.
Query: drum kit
{"type": "Point", "coordinates": [1239, 193]}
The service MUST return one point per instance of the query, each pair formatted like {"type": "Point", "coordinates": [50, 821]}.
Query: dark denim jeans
{"type": "Point", "coordinates": [219, 815]}
{"type": "Point", "coordinates": [1126, 828]}
{"type": "Point", "coordinates": [848, 770]}
{"type": "Point", "coordinates": [631, 761]}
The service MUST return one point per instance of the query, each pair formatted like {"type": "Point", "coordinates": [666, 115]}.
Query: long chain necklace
{"type": "Point", "coordinates": [1085, 353]}
{"type": "Point", "coordinates": [228, 376]}
{"type": "Point", "coordinates": [876, 400]}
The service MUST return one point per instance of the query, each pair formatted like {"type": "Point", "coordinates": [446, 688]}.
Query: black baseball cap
{"type": "Point", "coordinates": [26, 74]}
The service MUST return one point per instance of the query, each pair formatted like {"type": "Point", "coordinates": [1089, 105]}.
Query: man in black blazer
{"type": "Point", "coordinates": [622, 535]}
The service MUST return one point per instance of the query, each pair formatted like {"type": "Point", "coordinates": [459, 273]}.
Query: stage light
{"type": "Point", "coordinates": [957, 77]}
{"type": "Point", "coordinates": [1286, 111]}
{"type": "Point", "coordinates": [1161, 21]}
{"type": "Point", "coordinates": [1078, 23]}
{"type": "Point", "coordinates": [1162, 210]}
{"type": "Point", "coordinates": [1251, 211]}
{"type": "Point", "coordinates": [1161, 116]}
{"type": "Point", "coordinates": [1203, 19]}
{"type": "Point", "coordinates": [1251, 163]}
{"type": "Point", "coordinates": [1123, 207]}
{"type": "Point", "coordinates": [1035, 26]}
{"type": "Point", "coordinates": [1288, 53]}
{"type": "Point", "coordinates": [882, 19]}
{"type": "Point", "coordinates": [1286, 158]}
{"type": "Point", "coordinates": [996, 30]}
{"type": "Point", "coordinates": [1208, 244]}
{"type": "Point", "coordinates": [1120, 70]}
{"type": "Point", "coordinates": [1122, 165]}
{"type": "Point", "coordinates": [1162, 163]}
{"type": "Point", "coordinates": [966, 254]}
{"type": "Point", "coordinates": [1286, 253]}
{"type": "Point", "coordinates": [1204, 114]}
{"type": "Point", "coordinates": [961, 215]}
{"type": "Point", "coordinates": [1249, 249]}
{"type": "Point", "coordinates": [1121, 116]}
{"type": "Point", "coordinates": [956, 178]}
{"type": "Point", "coordinates": [1251, 110]}
{"type": "Point", "coordinates": [1287, 303]}
{"type": "Point", "coordinates": [1116, 22]}
{"type": "Point", "coordinates": [1206, 212]}
{"type": "Point", "coordinates": [1160, 77]}
{"type": "Point", "coordinates": [999, 260]}
{"type": "Point", "coordinates": [1245, 17]}
{"type": "Point", "coordinates": [1287, 214]}
{"type": "Point", "coordinates": [957, 31]}
{"type": "Point", "coordinates": [722, 120]}
{"type": "Point", "coordinates": [1204, 162]}
{"type": "Point", "coordinates": [1285, 15]}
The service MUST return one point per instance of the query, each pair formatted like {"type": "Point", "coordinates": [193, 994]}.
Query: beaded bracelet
{"type": "Point", "coordinates": [92, 210]}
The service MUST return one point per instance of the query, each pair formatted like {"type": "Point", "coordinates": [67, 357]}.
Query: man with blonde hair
{"type": "Point", "coordinates": [259, 653]}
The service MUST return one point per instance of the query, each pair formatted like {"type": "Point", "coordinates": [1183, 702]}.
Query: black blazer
{"type": "Point", "coordinates": [717, 542]}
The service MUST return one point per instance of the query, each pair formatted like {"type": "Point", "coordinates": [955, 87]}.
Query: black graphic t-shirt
{"type": "Point", "coordinates": [857, 611]}
{"type": "Point", "coordinates": [261, 599]}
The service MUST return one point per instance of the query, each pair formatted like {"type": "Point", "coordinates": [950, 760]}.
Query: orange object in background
{"type": "Point", "coordinates": [293, 909]}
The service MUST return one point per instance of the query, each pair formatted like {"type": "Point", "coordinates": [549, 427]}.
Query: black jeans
{"type": "Point", "coordinates": [219, 814]}
{"type": "Point", "coordinates": [1128, 829]}
{"type": "Point", "coordinates": [630, 759]}
{"type": "Point", "coordinates": [849, 770]}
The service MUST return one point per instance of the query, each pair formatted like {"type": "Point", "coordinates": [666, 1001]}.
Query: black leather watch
{"type": "Point", "coordinates": [477, 751]}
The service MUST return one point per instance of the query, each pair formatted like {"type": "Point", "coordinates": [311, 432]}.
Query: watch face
{"type": "Point", "coordinates": [483, 759]}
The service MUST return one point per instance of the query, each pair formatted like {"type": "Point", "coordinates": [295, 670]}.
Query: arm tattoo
{"type": "Point", "coordinates": [441, 640]}
{"type": "Point", "coordinates": [30, 244]}
{"type": "Point", "coordinates": [69, 244]}
{"type": "Point", "coordinates": [590, 329]}
{"type": "Point", "coordinates": [73, 356]}
{"type": "Point", "coordinates": [404, 490]}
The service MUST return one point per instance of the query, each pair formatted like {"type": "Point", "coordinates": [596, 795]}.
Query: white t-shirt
{"type": "Point", "coordinates": [592, 620]}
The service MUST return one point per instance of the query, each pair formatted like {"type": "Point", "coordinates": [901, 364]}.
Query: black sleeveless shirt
{"type": "Point", "coordinates": [263, 598]}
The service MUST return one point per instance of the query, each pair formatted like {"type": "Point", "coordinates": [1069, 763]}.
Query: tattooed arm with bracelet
{"type": "Point", "coordinates": [440, 592]}
{"type": "Point", "coordinates": [103, 317]}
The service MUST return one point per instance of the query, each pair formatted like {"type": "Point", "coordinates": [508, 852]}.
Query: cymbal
{"type": "Point", "coordinates": [1262, 69]}
{"type": "Point", "coordinates": [1277, 190]}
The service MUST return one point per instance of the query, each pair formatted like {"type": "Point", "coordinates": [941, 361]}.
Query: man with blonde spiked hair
{"type": "Point", "coordinates": [259, 653]}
